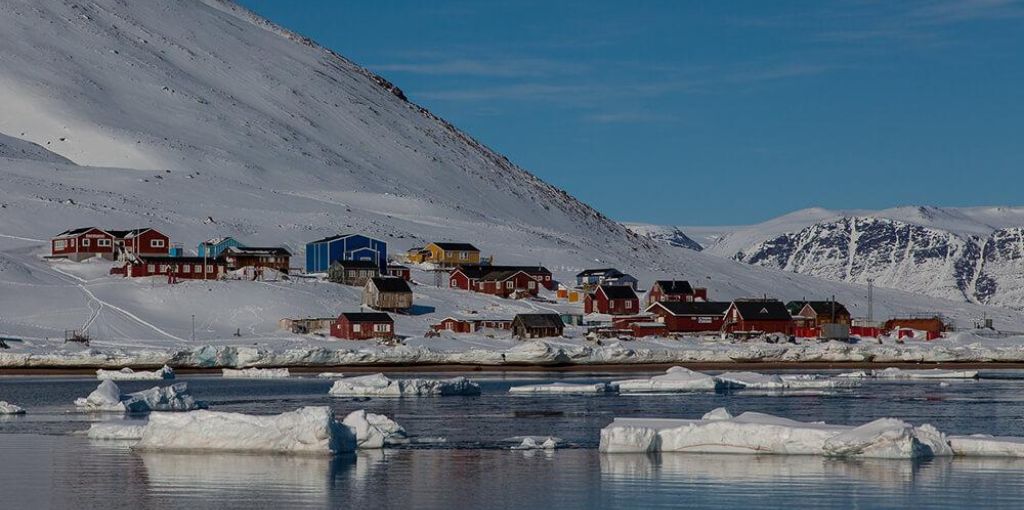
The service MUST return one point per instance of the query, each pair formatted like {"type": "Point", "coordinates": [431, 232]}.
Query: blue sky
{"type": "Point", "coordinates": [713, 113]}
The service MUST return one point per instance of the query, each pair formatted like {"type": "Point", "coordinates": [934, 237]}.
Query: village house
{"type": "Point", "coordinates": [238, 257]}
{"type": "Point", "coordinates": [307, 325]}
{"type": "Point", "coordinates": [141, 242]}
{"type": "Point", "coordinates": [82, 243]}
{"type": "Point", "coordinates": [537, 325]}
{"type": "Point", "coordinates": [751, 316]}
{"type": "Point", "coordinates": [675, 290]}
{"type": "Point", "coordinates": [387, 293]}
{"type": "Point", "coordinates": [934, 325]}
{"type": "Point", "coordinates": [592, 278]}
{"type": "Point", "coordinates": [817, 313]}
{"type": "Point", "coordinates": [363, 326]}
{"type": "Point", "coordinates": [174, 268]}
{"type": "Point", "coordinates": [323, 253]}
{"type": "Point", "coordinates": [457, 325]}
{"type": "Point", "coordinates": [399, 271]}
{"type": "Point", "coordinates": [468, 277]}
{"type": "Point", "coordinates": [612, 300]}
{"type": "Point", "coordinates": [212, 248]}
{"type": "Point", "coordinates": [353, 272]}
{"type": "Point", "coordinates": [689, 316]}
{"type": "Point", "coordinates": [508, 284]}
{"type": "Point", "coordinates": [444, 254]}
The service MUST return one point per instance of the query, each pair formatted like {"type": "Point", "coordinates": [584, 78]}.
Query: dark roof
{"type": "Point", "coordinates": [763, 310]}
{"type": "Point", "coordinates": [674, 287]}
{"type": "Point", "coordinates": [475, 271]}
{"type": "Point", "coordinates": [694, 308]}
{"type": "Point", "coordinates": [123, 234]}
{"type": "Point", "coordinates": [540, 320]}
{"type": "Point", "coordinates": [600, 272]}
{"type": "Point", "coordinates": [357, 264]}
{"type": "Point", "coordinates": [500, 276]}
{"type": "Point", "coordinates": [367, 317]}
{"type": "Point", "coordinates": [825, 308]}
{"type": "Point", "coordinates": [257, 250]}
{"type": "Point", "coordinates": [390, 284]}
{"type": "Point", "coordinates": [76, 231]}
{"type": "Point", "coordinates": [456, 246]}
{"type": "Point", "coordinates": [618, 292]}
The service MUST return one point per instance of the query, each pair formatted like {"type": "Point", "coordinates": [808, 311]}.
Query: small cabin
{"type": "Point", "coordinates": [818, 313]}
{"type": "Point", "coordinates": [363, 326]}
{"type": "Point", "coordinates": [353, 272]}
{"type": "Point", "coordinates": [399, 271]}
{"type": "Point", "coordinates": [468, 276]}
{"type": "Point", "coordinates": [387, 293]}
{"type": "Point", "coordinates": [445, 254]}
{"type": "Point", "coordinates": [537, 325]}
{"type": "Point", "coordinates": [675, 290]}
{"type": "Point", "coordinates": [612, 300]}
{"type": "Point", "coordinates": [508, 284]}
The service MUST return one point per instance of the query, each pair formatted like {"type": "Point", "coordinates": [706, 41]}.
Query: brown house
{"type": "Point", "coordinates": [758, 316]}
{"type": "Point", "coordinates": [387, 293]}
{"type": "Point", "coordinates": [363, 326]}
{"type": "Point", "coordinates": [238, 257]}
{"type": "Point", "coordinates": [612, 300]}
{"type": "Point", "coordinates": [353, 272]}
{"type": "Point", "coordinates": [537, 325]}
{"type": "Point", "coordinates": [820, 312]}
{"type": "Point", "coordinates": [933, 325]}
{"type": "Point", "coordinates": [690, 317]}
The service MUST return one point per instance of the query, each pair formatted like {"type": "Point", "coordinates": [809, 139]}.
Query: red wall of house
{"type": "Point", "coordinates": [170, 267]}
{"type": "Point", "coordinates": [457, 280]}
{"type": "Point", "coordinates": [765, 326]}
{"type": "Point", "coordinates": [93, 236]}
{"type": "Point", "coordinates": [143, 244]}
{"type": "Point", "coordinates": [520, 282]}
{"type": "Point", "coordinates": [342, 328]}
{"type": "Point", "coordinates": [601, 304]}
{"type": "Point", "coordinates": [453, 325]}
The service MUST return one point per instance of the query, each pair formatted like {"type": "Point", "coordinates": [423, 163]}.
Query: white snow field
{"type": "Point", "coordinates": [127, 374]}
{"type": "Point", "coordinates": [9, 408]}
{"type": "Point", "coordinates": [128, 114]}
{"type": "Point", "coordinates": [116, 430]}
{"type": "Point", "coordinates": [374, 430]}
{"type": "Point", "coordinates": [309, 430]}
{"type": "Point", "coordinates": [255, 373]}
{"type": "Point", "coordinates": [563, 389]}
{"type": "Point", "coordinates": [379, 385]}
{"type": "Point", "coordinates": [107, 397]}
{"type": "Point", "coordinates": [756, 433]}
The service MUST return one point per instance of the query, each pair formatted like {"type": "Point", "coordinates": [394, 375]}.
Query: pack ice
{"type": "Point", "coordinates": [108, 397]}
{"type": "Point", "coordinates": [898, 373]}
{"type": "Point", "coordinates": [675, 379]}
{"type": "Point", "coordinates": [255, 373]}
{"type": "Point", "coordinates": [127, 374]}
{"type": "Point", "coordinates": [378, 385]}
{"type": "Point", "coordinates": [563, 389]}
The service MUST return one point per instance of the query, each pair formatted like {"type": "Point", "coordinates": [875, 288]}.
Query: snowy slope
{"type": "Point", "coordinates": [673, 236]}
{"type": "Point", "coordinates": [200, 119]}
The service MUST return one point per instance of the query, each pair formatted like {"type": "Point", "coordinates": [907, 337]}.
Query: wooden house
{"type": "Point", "coordinates": [399, 271]}
{"type": "Point", "coordinates": [506, 284]}
{"type": "Point", "coordinates": [468, 277]}
{"type": "Point", "coordinates": [457, 325]}
{"type": "Point", "coordinates": [593, 278]}
{"type": "Point", "coordinates": [82, 243]}
{"type": "Point", "coordinates": [306, 325]}
{"type": "Point", "coordinates": [212, 248]}
{"type": "Point", "coordinates": [537, 325]}
{"type": "Point", "coordinates": [612, 300]}
{"type": "Point", "coordinates": [141, 242]}
{"type": "Point", "coordinates": [353, 272]}
{"type": "Point", "coordinates": [387, 293]}
{"type": "Point", "coordinates": [323, 253]}
{"type": "Point", "coordinates": [174, 268]}
{"type": "Point", "coordinates": [445, 254]}
{"type": "Point", "coordinates": [817, 313]}
{"type": "Point", "coordinates": [934, 325]}
{"type": "Point", "coordinates": [689, 316]}
{"type": "Point", "coordinates": [238, 257]}
{"type": "Point", "coordinates": [756, 316]}
{"type": "Point", "coordinates": [363, 326]}
{"type": "Point", "coordinates": [675, 290]}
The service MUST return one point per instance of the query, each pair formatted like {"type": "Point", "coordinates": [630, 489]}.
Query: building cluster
{"type": "Point", "coordinates": [611, 300]}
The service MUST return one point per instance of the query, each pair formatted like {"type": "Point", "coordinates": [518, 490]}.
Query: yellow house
{"type": "Point", "coordinates": [446, 254]}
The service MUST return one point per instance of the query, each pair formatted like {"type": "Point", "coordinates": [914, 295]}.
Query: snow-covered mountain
{"type": "Point", "coordinates": [202, 119]}
{"type": "Point", "coordinates": [673, 236]}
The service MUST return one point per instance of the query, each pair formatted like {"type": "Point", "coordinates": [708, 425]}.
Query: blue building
{"type": "Point", "coordinates": [320, 254]}
{"type": "Point", "coordinates": [212, 248]}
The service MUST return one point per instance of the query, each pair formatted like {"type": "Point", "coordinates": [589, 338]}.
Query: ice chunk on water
{"type": "Point", "coordinates": [9, 408]}
{"type": "Point", "coordinates": [563, 388]}
{"type": "Point", "coordinates": [899, 373]}
{"type": "Point", "coordinates": [718, 413]}
{"type": "Point", "coordinates": [981, 445]}
{"type": "Point", "coordinates": [538, 443]}
{"type": "Point", "coordinates": [119, 430]}
{"type": "Point", "coordinates": [127, 374]}
{"type": "Point", "coordinates": [107, 397]}
{"type": "Point", "coordinates": [374, 430]}
{"type": "Point", "coordinates": [673, 380]}
{"type": "Point", "coordinates": [378, 385]}
{"type": "Point", "coordinates": [255, 373]}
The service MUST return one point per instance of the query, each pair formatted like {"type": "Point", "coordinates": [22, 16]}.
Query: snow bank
{"type": "Point", "coordinates": [563, 388]}
{"type": "Point", "coordinates": [255, 373]}
{"type": "Point", "coordinates": [756, 433]}
{"type": "Point", "coordinates": [981, 445]}
{"type": "Point", "coordinates": [127, 374]}
{"type": "Point", "coordinates": [107, 397]}
{"type": "Point", "coordinates": [899, 373]}
{"type": "Point", "coordinates": [9, 408]}
{"type": "Point", "coordinates": [378, 385]}
{"type": "Point", "coordinates": [118, 430]}
{"type": "Point", "coordinates": [538, 443]}
{"type": "Point", "coordinates": [675, 379]}
{"type": "Point", "coordinates": [310, 430]}
{"type": "Point", "coordinates": [374, 430]}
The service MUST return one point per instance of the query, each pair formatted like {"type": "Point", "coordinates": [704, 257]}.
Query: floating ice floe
{"type": "Point", "coordinates": [757, 381]}
{"type": "Point", "coordinates": [108, 397]}
{"type": "Point", "coordinates": [309, 430]}
{"type": "Point", "coordinates": [127, 374]}
{"type": "Point", "coordinates": [538, 443]}
{"type": "Point", "coordinates": [330, 375]}
{"type": "Point", "coordinates": [898, 373]}
{"type": "Point", "coordinates": [255, 373]}
{"type": "Point", "coordinates": [981, 445]}
{"type": "Point", "coordinates": [374, 430]}
{"type": "Point", "coordinates": [378, 385]}
{"type": "Point", "coordinates": [563, 389]}
{"type": "Point", "coordinates": [9, 408]}
{"type": "Point", "coordinates": [756, 433]}
{"type": "Point", "coordinates": [675, 379]}
{"type": "Point", "coordinates": [123, 431]}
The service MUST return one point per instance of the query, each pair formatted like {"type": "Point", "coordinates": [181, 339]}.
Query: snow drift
{"type": "Point", "coordinates": [378, 385]}
{"type": "Point", "coordinates": [127, 374]}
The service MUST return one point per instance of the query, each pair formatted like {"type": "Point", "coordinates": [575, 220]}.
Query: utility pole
{"type": "Point", "coordinates": [871, 303]}
{"type": "Point", "coordinates": [193, 327]}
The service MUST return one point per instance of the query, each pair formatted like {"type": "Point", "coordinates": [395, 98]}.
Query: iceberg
{"type": "Point", "coordinates": [757, 381]}
{"type": "Point", "coordinates": [118, 430]}
{"type": "Point", "coordinates": [675, 379]}
{"type": "Point", "coordinates": [127, 374]}
{"type": "Point", "coordinates": [107, 397]}
{"type": "Point", "coordinates": [899, 373]}
{"type": "Point", "coordinates": [9, 408]}
{"type": "Point", "coordinates": [374, 430]}
{"type": "Point", "coordinates": [255, 373]}
{"type": "Point", "coordinates": [307, 431]}
{"type": "Point", "coordinates": [756, 433]}
{"type": "Point", "coordinates": [981, 445]}
{"type": "Point", "coordinates": [563, 389]}
{"type": "Point", "coordinates": [378, 385]}
{"type": "Point", "coordinates": [538, 443]}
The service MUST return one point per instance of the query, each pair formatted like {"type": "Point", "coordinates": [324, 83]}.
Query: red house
{"type": "Point", "coordinates": [689, 317]}
{"type": "Point", "coordinates": [454, 325]}
{"type": "Point", "coordinates": [675, 290]}
{"type": "Point", "coordinates": [174, 268]}
{"type": "Point", "coordinates": [141, 241]}
{"type": "Point", "coordinates": [758, 316]}
{"type": "Point", "coordinates": [508, 284]}
{"type": "Point", "coordinates": [399, 271]}
{"type": "Point", "coordinates": [363, 326]}
{"type": "Point", "coordinates": [612, 300]}
{"type": "Point", "coordinates": [468, 277]}
{"type": "Point", "coordinates": [82, 243]}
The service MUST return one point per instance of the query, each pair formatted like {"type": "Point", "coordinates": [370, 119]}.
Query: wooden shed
{"type": "Point", "coordinates": [387, 293]}
{"type": "Point", "coordinates": [363, 326]}
{"type": "Point", "coordinates": [537, 325]}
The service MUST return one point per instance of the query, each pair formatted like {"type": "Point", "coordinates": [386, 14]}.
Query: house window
{"type": "Point", "coordinates": [60, 245]}
{"type": "Point", "coordinates": [357, 328]}
{"type": "Point", "coordinates": [199, 268]}
{"type": "Point", "coordinates": [151, 268]}
{"type": "Point", "coordinates": [72, 243]}
{"type": "Point", "coordinates": [629, 305]}
{"type": "Point", "coordinates": [209, 269]}
{"type": "Point", "coordinates": [186, 268]}
{"type": "Point", "coordinates": [163, 268]}
{"type": "Point", "coordinates": [381, 328]}
{"type": "Point", "coordinates": [547, 278]}
{"type": "Point", "coordinates": [455, 283]}
{"type": "Point", "coordinates": [85, 243]}
{"type": "Point", "coordinates": [463, 255]}
{"type": "Point", "coordinates": [509, 285]}
{"type": "Point", "coordinates": [157, 243]}
{"type": "Point", "coordinates": [447, 254]}
{"type": "Point", "coordinates": [103, 242]}
{"type": "Point", "coordinates": [531, 285]}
